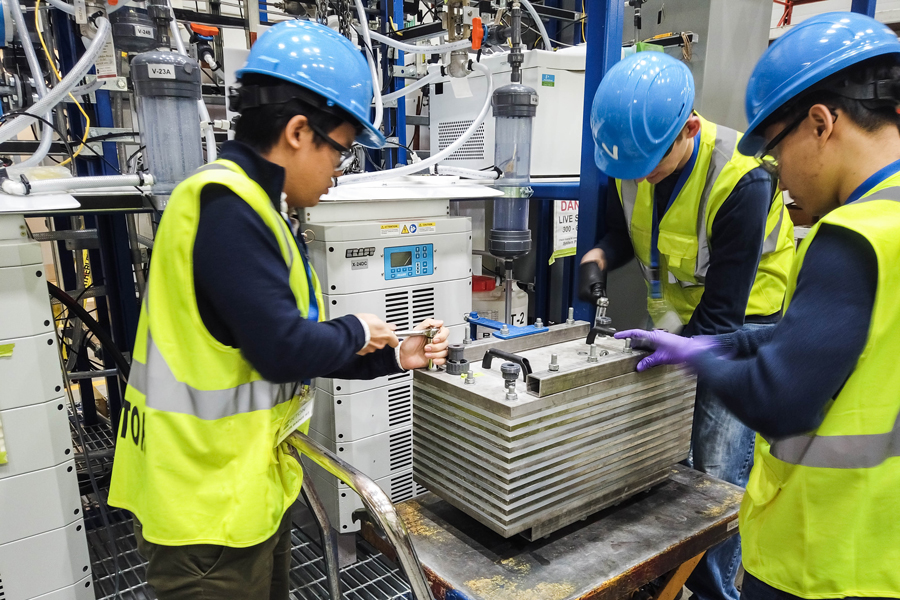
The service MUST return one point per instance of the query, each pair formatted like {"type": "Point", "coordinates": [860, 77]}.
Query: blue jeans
{"type": "Point", "coordinates": [721, 446]}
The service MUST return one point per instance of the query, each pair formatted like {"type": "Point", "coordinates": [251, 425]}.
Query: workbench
{"type": "Point", "coordinates": [659, 533]}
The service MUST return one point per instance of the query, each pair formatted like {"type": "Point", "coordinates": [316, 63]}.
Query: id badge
{"type": "Point", "coordinates": [663, 315]}
{"type": "Point", "coordinates": [303, 413]}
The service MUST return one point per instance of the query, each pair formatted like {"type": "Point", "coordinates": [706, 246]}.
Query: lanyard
{"type": "Point", "coordinates": [313, 314]}
{"type": "Point", "coordinates": [875, 179]}
{"type": "Point", "coordinates": [655, 288]}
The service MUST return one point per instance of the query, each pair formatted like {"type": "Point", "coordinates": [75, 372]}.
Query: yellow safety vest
{"type": "Point", "coordinates": [197, 459]}
{"type": "Point", "coordinates": [686, 228]}
{"type": "Point", "coordinates": [819, 519]}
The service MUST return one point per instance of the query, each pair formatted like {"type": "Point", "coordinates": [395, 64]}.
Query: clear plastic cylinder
{"type": "Point", "coordinates": [512, 155]}
{"type": "Point", "coordinates": [170, 132]}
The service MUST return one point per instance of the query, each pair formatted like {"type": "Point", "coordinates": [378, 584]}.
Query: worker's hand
{"type": "Point", "coordinates": [416, 350]}
{"type": "Point", "coordinates": [381, 334]}
{"type": "Point", "coordinates": [668, 348]}
{"type": "Point", "coordinates": [591, 281]}
{"type": "Point", "coordinates": [595, 255]}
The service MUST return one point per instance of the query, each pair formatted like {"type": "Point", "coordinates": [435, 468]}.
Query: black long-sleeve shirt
{"type": "Point", "coordinates": [738, 233]}
{"type": "Point", "coordinates": [779, 380]}
{"type": "Point", "coordinates": [244, 294]}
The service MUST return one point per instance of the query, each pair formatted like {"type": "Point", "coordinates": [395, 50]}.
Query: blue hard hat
{"type": "Point", "coordinates": [807, 54]}
{"type": "Point", "coordinates": [321, 60]}
{"type": "Point", "coordinates": [639, 109]}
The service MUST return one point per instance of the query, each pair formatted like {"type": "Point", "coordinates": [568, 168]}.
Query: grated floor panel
{"type": "Point", "coordinates": [373, 577]}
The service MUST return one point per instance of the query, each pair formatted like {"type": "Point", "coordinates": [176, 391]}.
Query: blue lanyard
{"type": "Point", "coordinates": [655, 288]}
{"type": "Point", "coordinates": [313, 313]}
{"type": "Point", "coordinates": [873, 180]}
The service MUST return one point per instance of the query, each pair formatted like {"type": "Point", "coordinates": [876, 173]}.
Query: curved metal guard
{"type": "Point", "coordinates": [378, 505]}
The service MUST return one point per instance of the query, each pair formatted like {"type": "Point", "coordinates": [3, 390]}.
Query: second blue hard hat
{"type": "Point", "coordinates": [640, 107]}
{"type": "Point", "coordinates": [321, 60]}
{"type": "Point", "coordinates": [805, 56]}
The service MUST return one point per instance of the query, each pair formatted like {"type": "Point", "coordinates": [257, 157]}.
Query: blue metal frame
{"type": "Point", "coordinates": [866, 7]}
{"type": "Point", "coordinates": [394, 118]}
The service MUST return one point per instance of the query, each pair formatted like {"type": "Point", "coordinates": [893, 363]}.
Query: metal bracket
{"type": "Point", "coordinates": [409, 71]}
{"type": "Point", "coordinates": [515, 331]}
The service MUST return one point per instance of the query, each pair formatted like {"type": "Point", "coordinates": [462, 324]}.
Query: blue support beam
{"type": "Point", "coordinates": [604, 49]}
{"type": "Point", "coordinates": [865, 7]}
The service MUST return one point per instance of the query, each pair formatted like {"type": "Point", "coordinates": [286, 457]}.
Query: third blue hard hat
{"type": "Point", "coordinates": [640, 107]}
{"type": "Point", "coordinates": [321, 60]}
{"type": "Point", "coordinates": [805, 56]}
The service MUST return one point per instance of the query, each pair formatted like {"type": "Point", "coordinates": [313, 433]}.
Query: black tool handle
{"type": "Point", "coordinates": [610, 331]}
{"type": "Point", "coordinates": [591, 282]}
{"type": "Point", "coordinates": [522, 362]}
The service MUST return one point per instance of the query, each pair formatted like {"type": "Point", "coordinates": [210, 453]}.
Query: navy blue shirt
{"type": "Point", "coordinates": [244, 294]}
{"type": "Point", "coordinates": [738, 233]}
{"type": "Point", "coordinates": [781, 379]}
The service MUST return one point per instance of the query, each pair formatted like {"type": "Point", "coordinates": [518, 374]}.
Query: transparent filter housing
{"type": "Point", "coordinates": [514, 110]}
{"type": "Point", "coordinates": [167, 87]}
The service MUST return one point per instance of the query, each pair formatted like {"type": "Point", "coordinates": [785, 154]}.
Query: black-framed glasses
{"type": "Point", "coordinates": [346, 154]}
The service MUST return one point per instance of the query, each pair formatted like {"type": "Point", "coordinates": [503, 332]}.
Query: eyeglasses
{"type": "Point", "coordinates": [346, 154]}
{"type": "Point", "coordinates": [766, 158]}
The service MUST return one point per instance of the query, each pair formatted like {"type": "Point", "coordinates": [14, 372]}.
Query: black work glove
{"type": "Point", "coordinates": [591, 282]}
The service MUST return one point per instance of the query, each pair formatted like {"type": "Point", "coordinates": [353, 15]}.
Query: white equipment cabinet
{"type": "Point", "coordinates": [43, 549]}
{"type": "Point", "coordinates": [558, 78]}
{"type": "Point", "coordinates": [389, 249]}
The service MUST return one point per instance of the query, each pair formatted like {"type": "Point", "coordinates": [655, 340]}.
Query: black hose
{"type": "Point", "coordinates": [95, 327]}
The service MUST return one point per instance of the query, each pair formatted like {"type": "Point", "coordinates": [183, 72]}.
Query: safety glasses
{"type": "Point", "coordinates": [766, 159]}
{"type": "Point", "coordinates": [346, 157]}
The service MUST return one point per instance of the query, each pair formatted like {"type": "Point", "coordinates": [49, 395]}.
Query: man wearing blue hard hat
{"type": "Point", "coordinates": [710, 232]}
{"type": "Point", "coordinates": [232, 329]}
{"type": "Point", "coordinates": [822, 388]}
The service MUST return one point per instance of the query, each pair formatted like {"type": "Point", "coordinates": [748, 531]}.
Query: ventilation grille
{"type": "Point", "coordinates": [396, 309]}
{"type": "Point", "coordinates": [400, 405]}
{"type": "Point", "coordinates": [401, 450]}
{"type": "Point", "coordinates": [423, 304]}
{"type": "Point", "coordinates": [3, 594]}
{"type": "Point", "coordinates": [402, 487]}
{"type": "Point", "coordinates": [450, 131]}
{"type": "Point", "coordinates": [399, 311]}
{"type": "Point", "coordinates": [400, 376]}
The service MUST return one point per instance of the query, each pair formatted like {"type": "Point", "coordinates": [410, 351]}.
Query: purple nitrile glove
{"type": "Point", "coordinates": [668, 348]}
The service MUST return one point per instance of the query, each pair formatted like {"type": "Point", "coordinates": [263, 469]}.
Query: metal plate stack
{"type": "Point", "coordinates": [565, 444]}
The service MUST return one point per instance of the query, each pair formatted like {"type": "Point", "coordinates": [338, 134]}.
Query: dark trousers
{"type": "Point", "coordinates": [209, 572]}
{"type": "Point", "coordinates": [754, 589]}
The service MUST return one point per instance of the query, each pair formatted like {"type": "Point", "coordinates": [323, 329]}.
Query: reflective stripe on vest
{"type": "Point", "coordinates": [164, 392]}
{"type": "Point", "coordinates": [725, 143]}
{"type": "Point", "coordinates": [843, 451]}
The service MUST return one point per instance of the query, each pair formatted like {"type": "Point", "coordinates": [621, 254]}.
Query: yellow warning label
{"type": "Point", "coordinates": [405, 230]}
{"type": "Point", "coordinates": [390, 229]}
{"type": "Point", "coordinates": [427, 227]}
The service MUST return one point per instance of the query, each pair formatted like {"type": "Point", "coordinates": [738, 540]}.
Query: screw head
{"type": "Point", "coordinates": [121, 84]}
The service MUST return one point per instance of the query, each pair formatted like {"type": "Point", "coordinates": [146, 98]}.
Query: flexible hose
{"type": "Point", "coordinates": [545, 38]}
{"type": "Point", "coordinates": [405, 91]}
{"type": "Point", "coordinates": [38, 77]}
{"type": "Point", "coordinates": [431, 160]}
{"type": "Point", "coordinates": [84, 90]}
{"type": "Point", "coordinates": [412, 49]}
{"type": "Point", "coordinates": [18, 188]}
{"type": "Point", "coordinates": [62, 88]}
{"type": "Point", "coordinates": [466, 173]}
{"type": "Point", "coordinates": [370, 58]}
{"type": "Point", "coordinates": [175, 33]}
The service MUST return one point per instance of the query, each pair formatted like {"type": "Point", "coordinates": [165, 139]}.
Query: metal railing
{"type": "Point", "coordinates": [376, 502]}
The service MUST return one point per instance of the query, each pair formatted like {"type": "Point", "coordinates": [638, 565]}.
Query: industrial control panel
{"type": "Point", "coordinates": [408, 261]}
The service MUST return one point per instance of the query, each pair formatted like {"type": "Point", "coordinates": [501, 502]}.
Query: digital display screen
{"type": "Point", "coordinates": [401, 259]}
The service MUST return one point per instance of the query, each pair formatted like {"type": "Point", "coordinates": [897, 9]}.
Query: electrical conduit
{"type": "Point", "coordinates": [31, 57]}
{"type": "Point", "coordinates": [422, 165]}
{"type": "Point", "coordinates": [62, 89]}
